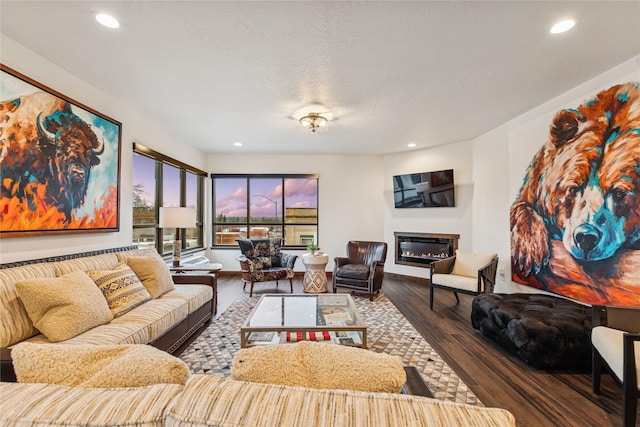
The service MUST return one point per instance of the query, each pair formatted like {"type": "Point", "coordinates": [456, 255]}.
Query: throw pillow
{"type": "Point", "coordinates": [122, 289]}
{"type": "Point", "coordinates": [153, 273]}
{"type": "Point", "coordinates": [468, 264]}
{"type": "Point", "coordinates": [65, 306]}
{"type": "Point", "coordinates": [130, 365]}
{"type": "Point", "coordinates": [319, 365]}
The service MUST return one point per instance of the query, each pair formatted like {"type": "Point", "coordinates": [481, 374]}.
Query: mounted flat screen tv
{"type": "Point", "coordinates": [424, 190]}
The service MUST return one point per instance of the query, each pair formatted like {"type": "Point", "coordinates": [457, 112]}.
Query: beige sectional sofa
{"type": "Point", "coordinates": [210, 401]}
{"type": "Point", "coordinates": [166, 321]}
{"type": "Point", "coordinates": [202, 400]}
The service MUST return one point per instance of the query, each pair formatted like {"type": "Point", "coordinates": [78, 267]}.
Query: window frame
{"type": "Point", "coordinates": [160, 160]}
{"type": "Point", "coordinates": [248, 222]}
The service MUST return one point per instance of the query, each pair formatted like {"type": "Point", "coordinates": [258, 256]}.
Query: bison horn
{"type": "Point", "coordinates": [99, 150]}
{"type": "Point", "coordinates": [44, 134]}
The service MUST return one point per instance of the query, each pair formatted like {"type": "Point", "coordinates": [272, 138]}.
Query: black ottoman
{"type": "Point", "coordinates": [544, 331]}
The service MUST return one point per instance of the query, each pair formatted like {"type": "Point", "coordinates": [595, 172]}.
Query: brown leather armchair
{"type": "Point", "coordinates": [362, 270]}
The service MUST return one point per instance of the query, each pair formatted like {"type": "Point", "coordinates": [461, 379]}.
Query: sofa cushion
{"type": "Point", "coordinates": [85, 263]}
{"type": "Point", "coordinates": [141, 325]}
{"type": "Point", "coordinates": [212, 401]}
{"type": "Point", "coordinates": [468, 264]}
{"type": "Point", "coordinates": [20, 327]}
{"type": "Point", "coordinates": [55, 405]}
{"type": "Point", "coordinates": [153, 273]}
{"type": "Point", "coordinates": [64, 307]}
{"type": "Point", "coordinates": [100, 366]}
{"type": "Point", "coordinates": [195, 295]}
{"type": "Point", "coordinates": [122, 289]}
{"type": "Point", "coordinates": [458, 282]}
{"type": "Point", "coordinates": [353, 271]}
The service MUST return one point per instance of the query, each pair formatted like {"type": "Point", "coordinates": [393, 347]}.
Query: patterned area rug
{"type": "Point", "coordinates": [388, 331]}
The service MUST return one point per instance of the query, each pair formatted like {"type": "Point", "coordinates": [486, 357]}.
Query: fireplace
{"type": "Point", "coordinates": [420, 249]}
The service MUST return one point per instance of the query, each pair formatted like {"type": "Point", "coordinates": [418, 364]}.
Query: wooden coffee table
{"type": "Point", "coordinates": [280, 319]}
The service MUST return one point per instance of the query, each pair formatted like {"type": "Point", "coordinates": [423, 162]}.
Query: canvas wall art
{"type": "Point", "coordinates": [59, 159]}
{"type": "Point", "coordinates": [575, 223]}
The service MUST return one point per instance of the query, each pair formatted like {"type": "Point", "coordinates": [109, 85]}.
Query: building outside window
{"type": "Point", "coordinates": [159, 180]}
{"type": "Point", "coordinates": [265, 206]}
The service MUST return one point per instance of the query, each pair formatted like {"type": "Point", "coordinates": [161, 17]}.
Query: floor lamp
{"type": "Point", "coordinates": [177, 218]}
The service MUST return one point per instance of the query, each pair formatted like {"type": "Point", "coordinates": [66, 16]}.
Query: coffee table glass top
{"type": "Point", "coordinates": [321, 317]}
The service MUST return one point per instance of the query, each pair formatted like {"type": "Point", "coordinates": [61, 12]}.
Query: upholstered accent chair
{"type": "Point", "coordinates": [362, 270]}
{"type": "Point", "coordinates": [616, 344]}
{"type": "Point", "coordinates": [466, 273]}
{"type": "Point", "coordinates": [262, 261]}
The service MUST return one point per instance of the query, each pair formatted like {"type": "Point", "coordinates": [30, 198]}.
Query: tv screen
{"type": "Point", "coordinates": [424, 190]}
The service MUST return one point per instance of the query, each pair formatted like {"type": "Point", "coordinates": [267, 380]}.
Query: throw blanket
{"type": "Point", "coordinates": [320, 365]}
{"type": "Point", "coordinates": [102, 366]}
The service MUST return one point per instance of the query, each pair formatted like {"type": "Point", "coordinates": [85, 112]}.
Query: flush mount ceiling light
{"type": "Point", "coordinates": [562, 26]}
{"type": "Point", "coordinates": [107, 20]}
{"type": "Point", "coordinates": [313, 123]}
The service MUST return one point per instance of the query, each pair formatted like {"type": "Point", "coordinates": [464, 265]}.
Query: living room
{"type": "Point", "coordinates": [355, 189]}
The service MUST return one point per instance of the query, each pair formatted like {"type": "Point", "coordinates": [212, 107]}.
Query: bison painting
{"type": "Point", "coordinates": [44, 141]}
{"type": "Point", "coordinates": [575, 224]}
{"type": "Point", "coordinates": [50, 153]}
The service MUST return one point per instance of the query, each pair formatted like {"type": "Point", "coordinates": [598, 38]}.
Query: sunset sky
{"type": "Point", "coordinates": [231, 193]}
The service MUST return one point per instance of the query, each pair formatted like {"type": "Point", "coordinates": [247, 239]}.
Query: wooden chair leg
{"type": "Point", "coordinates": [596, 370]}
{"type": "Point", "coordinates": [276, 283]}
{"type": "Point", "coordinates": [244, 285]}
{"type": "Point", "coordinates": [431, 296]}
{"type": "Point", "coordinates": [251, 290]}
{"type": "Point", "coordinates": [291, 284]}
{"type": "Point", "coordinates": [629, 404]}
{"type": "Point", "coordinates": [457, 299]}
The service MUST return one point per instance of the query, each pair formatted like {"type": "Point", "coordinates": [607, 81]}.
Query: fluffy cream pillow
{"type": "Point", "coordinates": [468, 264]}
{"type": "Point", "coordinates": [121, 287]}
{"type": "Point", "coordinates": [65, 306]}
{"type": "Point", "coordinates": [153, 273]}
{"type": "Point", "coordinates": [320, 365]}
{"type": "Point", "coordinates": [131, 365]}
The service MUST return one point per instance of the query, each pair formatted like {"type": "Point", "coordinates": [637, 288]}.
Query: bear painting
{"type": "Point", "coordinates": [575, 223]}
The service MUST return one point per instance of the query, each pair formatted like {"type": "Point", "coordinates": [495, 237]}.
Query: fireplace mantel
{"type": "Point", "coordinates": [421, 249]}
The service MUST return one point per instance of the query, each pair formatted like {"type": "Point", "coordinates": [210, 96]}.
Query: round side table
{"type": "Point", "coordinates": [315, 278]}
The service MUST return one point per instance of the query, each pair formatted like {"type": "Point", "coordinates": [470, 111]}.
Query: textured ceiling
{"type": "Point", "coordinates": [391, 72]}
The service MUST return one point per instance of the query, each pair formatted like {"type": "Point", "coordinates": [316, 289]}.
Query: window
{"type": "Point", "coordinates": [255, 206]}
{"type": "Point", "coordinates": [159, 180]}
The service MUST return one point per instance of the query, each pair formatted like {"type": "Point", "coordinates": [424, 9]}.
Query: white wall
{"type": "Point", "coordinates": [350, 189]}
{"type": "Point", "coordinates": [135, 128]}
{"type": "Point", "coordinates": [501, 156]}
{"type": "Point", "coordinates": [455, 220]}
{"type": "Point", "coordinates": [356, 200]}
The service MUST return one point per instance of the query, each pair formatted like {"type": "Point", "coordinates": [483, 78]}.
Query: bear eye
{"type": "Point", "coordinates": [619, 195]}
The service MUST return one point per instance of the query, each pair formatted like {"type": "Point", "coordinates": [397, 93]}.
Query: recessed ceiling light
{"type": "Point", "coordinates": [411, 145]}
{"type": "Point", "coordinates": [107, 20]}
{"type": "Point", "coordinates": [237, 144]}
{"type": "Point", "coordinates": [563, 26]}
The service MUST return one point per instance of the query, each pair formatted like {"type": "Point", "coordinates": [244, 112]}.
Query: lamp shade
{"type": "Point", "coordinates": [177, 217]}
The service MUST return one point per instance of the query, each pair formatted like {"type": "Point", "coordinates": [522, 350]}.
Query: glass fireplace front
{"type": "Point", "coordinates": [421, 250]}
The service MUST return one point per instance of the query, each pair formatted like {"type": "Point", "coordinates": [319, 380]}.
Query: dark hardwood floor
{"type": "Point", "coordinates": [535, 398]}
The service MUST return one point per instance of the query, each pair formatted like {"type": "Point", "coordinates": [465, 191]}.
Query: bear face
{"type": "Point", "coordinates": [582, 186]}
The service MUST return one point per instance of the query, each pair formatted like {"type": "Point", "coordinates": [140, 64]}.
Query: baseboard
{"type": "Point", "coordinates": [404, 278]}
